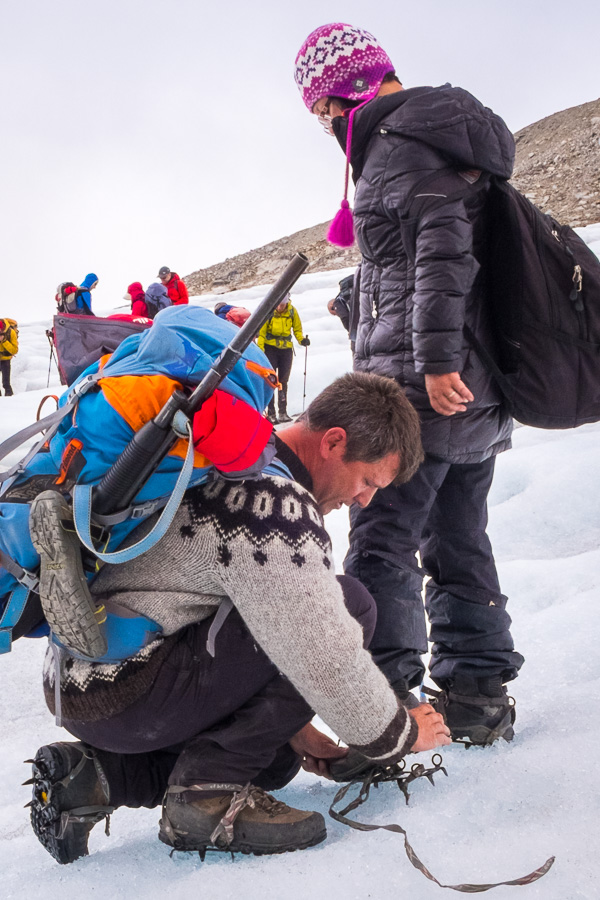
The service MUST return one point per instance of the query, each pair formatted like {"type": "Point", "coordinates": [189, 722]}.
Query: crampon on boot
{"type": "Point", "coordinates": [236, 819]}
{"type": "Point", "coordinates": [477, 711]}
{"type": "Point", "coordinates": [70, 796]}
{"type": "Point", "coordinates": [70, 609]}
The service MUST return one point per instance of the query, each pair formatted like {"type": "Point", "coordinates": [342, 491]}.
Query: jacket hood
{"type": "Point", "coordinates": [448, 119]}
{"type": "Point", "coordinates": [136, 291]}
{"type": "Point", "coordinates": [88, 280]}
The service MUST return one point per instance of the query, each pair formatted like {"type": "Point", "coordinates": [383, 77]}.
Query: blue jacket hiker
{"type": "Point", "coordinates": [84, 300]}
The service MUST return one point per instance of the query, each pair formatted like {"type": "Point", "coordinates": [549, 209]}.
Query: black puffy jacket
{"type": "Point", "coordinates": [412, 315]}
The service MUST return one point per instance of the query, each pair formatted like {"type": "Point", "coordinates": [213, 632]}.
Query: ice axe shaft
{"type": "Point", "coordinates": [305, 367]}
{"type": "Point", "coordinates": [154, 440]}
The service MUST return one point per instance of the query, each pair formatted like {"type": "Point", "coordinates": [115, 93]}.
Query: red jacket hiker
{"type": "Point", "coordinates": [176, 289]}
{"type": "Point", "coordinates": [136, 293]}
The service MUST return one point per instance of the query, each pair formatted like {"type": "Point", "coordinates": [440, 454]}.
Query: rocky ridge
{"type": "Point", "coordinates": [557, 166]}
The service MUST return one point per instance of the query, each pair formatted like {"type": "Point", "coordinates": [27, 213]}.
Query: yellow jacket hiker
{"type": "Point", "coordinates": [277, 332]}
{"type": "Point", "coordinates": [9, 346]}
{"type": "Point", "coordinates": [275, 339]}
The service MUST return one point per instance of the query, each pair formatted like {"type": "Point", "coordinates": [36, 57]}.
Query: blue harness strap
{"type": "Point", "coordinates": [13, 611]}
{"type": "Point", "coordinates": [82, 513]}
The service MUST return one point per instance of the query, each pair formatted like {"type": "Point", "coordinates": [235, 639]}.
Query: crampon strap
{"type": "Point", "coordinates": [403, 777]}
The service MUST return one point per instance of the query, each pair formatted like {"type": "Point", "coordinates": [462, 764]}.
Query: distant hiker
{"type": "Point", "coordinates": [175, 286]}
{"type": "Point", "coordinates": [68, 298]}
{"type": "Point", "coordinates": [137, 297]}
{"type": "Point", "coordinates": [415, 302]}
{"type": "Point", "coordinates": [9, 347]}
{"type": "Point", "coordinates": [217, 711]}
{"type": "Point", "coordinates": [235, 314]}
{"type": "Point", "coordinates": [275, 338]}
{"type": "Point", "coordinates": [84, 298]}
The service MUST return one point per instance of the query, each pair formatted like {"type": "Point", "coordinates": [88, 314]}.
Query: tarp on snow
{"type": "Point", "coordinates": [81, 340]}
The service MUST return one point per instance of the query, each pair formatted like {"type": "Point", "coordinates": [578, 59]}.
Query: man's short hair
{"type": "Point", "coordinates": [377, 417]}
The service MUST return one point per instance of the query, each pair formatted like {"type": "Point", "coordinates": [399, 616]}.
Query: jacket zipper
{"type": "Point", "coordinates": [374, 317]}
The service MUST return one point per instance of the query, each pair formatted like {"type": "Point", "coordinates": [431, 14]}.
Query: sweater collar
{"type": "Point", "coordinates": [299, 471]}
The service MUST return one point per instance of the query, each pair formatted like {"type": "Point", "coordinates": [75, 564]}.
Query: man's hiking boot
{"type": "Point", "coordinates": [235, 818]}
{"type": "Point", "coordinates": [69, 607]}
{"type": "Point", "coordinates": [70, 795]}
{"type": "Point", "coordinates": [477, 710]}
{"type": "Point", "coordinates": [353, 766]}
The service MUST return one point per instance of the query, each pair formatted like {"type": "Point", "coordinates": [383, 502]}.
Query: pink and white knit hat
{"type": "Point", "coordinates": [340, 61]}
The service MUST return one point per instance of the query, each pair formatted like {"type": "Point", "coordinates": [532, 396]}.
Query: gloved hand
{"type": "Point", "coordinates": [305, 342]}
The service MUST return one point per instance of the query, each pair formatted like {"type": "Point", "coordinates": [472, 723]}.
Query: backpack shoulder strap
{"type": "Point", "coordinates": [444, 184]}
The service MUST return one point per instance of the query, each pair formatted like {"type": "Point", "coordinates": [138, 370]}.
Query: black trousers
{"type": "Point", "coordinates": [5, 369]}
{"type": "Point", "coordinates": [227, 718]}
{"type": "Point", "coordinates": [442, 513]}
{"type": "Point", "coordinates": [281, 359]}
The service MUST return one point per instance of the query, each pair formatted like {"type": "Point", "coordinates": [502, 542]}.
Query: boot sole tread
{"type": "Point", "coordinates": [64, 593]}
{"type": "Point", "coordinates": [45, 817]}
{"type": "Point", "coordinates": [188, 845]}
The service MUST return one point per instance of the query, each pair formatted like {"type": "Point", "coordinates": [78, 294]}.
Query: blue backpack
{"type": "Point", "coordinates": [95, 421]}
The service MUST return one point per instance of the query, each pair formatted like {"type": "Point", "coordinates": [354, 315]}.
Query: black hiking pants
{"type": "Point", "coordinates": [5, 369]}
{"type": "Point", "coordinates": [222, 719]}
{"type": "Point", "coordinates": [442, 513]}
{"type": "Point", "coordinates": [281, 359]}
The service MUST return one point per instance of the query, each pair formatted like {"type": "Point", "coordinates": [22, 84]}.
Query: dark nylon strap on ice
{"type": "Point", "coordinates": [403, 778]}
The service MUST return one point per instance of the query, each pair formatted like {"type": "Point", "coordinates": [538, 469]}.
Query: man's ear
{"type": "Point", "coordinates": [333, 443]}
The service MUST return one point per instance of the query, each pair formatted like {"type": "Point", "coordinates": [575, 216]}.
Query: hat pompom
{"type": "Point", "coordinates": [341, 230]}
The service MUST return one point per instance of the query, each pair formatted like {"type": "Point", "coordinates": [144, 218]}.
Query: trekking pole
{"type": "Point", "coordinates": [305, 366]}
{"type": "Point", "coordinates": [51, 342]}
{"type": "Point", "coordinates": [153, 441]}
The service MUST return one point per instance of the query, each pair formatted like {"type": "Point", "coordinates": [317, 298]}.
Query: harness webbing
{"type": "Point", "coordinates": [403, 778]}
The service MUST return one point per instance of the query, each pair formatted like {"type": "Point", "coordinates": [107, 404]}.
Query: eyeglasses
{"type": "Point", "coordinates": [324, 117]}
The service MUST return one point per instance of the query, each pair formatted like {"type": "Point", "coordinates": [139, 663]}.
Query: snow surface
{"type": "Point", "coordinates": [501, 812]}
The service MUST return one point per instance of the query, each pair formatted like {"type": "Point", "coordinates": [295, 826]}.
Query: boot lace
{"type": "Point", "coordinates": [251, 796]}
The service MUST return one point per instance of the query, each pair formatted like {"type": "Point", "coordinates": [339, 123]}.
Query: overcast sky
{"type": "Point", "coordinates": [143, 133]}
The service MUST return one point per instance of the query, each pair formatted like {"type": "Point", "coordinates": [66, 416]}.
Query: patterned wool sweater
{"type": "Point", "coordinates": [263, 544]}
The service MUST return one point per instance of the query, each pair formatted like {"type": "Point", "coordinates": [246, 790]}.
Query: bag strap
{"type": "Point", "coordinates": [48, 425]}
{"type": "Point", "coordinates": [15, 605]}
{"type": "Point", "coordinates": [82, 508]}
{"type": "Point", "coordinates": [442, 185]}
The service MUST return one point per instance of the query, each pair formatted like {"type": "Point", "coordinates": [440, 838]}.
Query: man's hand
{"type": "Point", "coordinates": [316, 748]}
{"type": "Point", "coordinates": [448, 393]}
{"type": "Point", "coordinates": [433, 732]}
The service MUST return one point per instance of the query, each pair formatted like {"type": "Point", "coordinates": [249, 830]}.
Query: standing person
{"type": "Point", "coordinates": [275, 339]}
{"type": "Point", "coordinates": [414, 303]}
{"type": "Point", "coordinates": [217, 709]}
{"type": "Point", "coordinates": [9, 347]}
{"type": "Point", "coordinates": [84, 299]}
{"type": "Point", "coordinates": [175, 286]}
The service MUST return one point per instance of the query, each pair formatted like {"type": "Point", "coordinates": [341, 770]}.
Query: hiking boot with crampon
{"type": "Point", "coordinates": [237, 819]}
{"type": "Point", "coordinates": [476, 710]}
{"type": "Point", "coordinates": [70, 609]}
{"type": "Point", "coordinates": [70, 796]}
